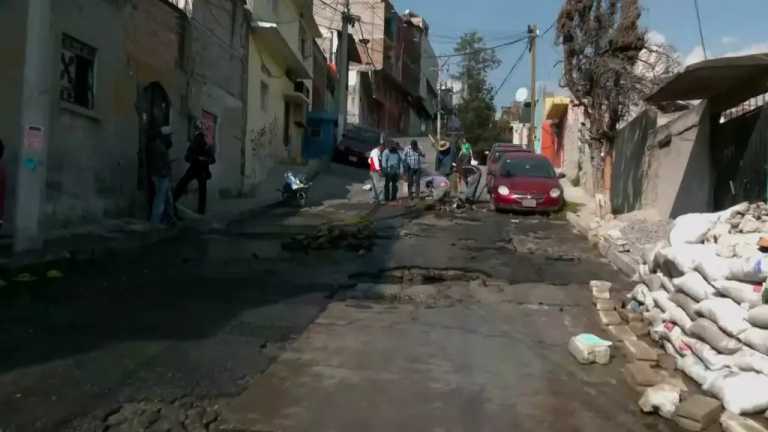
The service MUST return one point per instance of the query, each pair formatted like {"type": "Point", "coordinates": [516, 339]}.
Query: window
{"type": "Point", "coordinates": [527, 168]}
{"type": "Point", "coordinates": [76, 72]}
{"type": "Point", "coordinates": [264, 96]}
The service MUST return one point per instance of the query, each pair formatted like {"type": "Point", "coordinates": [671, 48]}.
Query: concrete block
{"type": "Point", "coordinates": [600, 289]}
{"type": "Point", "coordinates": [628, 316]}
{"type": "Point", "coordinates": [688, 424]}
{"type": "Point", "coordinates": [621, 333]}
{"type": "Point", "coordinates": [639, 328]}
{"type": "Point", "coordinates": [700, 409]}
{"type": "Point", "coordinates": [640, 374]}
{"type": "Point", "coordinates": [638, 350]}
{"type": "Point", "coordinates": [736, 423]}
{"type": "Point", "coordinates": [667, 362]}
{"type": "Point", "coordinates": [624, 263]}
{"type": "Point", "coordinates": [609, 318]}
{"type": "Point", "coordinates": [604, 305]}
{"type": "Point", "coordinates": [603, 246]}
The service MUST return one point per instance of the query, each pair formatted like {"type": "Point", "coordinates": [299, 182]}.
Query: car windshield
{"type": "Point", "coordinates": [527, 168]}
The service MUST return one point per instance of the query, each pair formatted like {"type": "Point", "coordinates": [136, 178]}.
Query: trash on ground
{"type": "Point", "coordinates": [661, 398]}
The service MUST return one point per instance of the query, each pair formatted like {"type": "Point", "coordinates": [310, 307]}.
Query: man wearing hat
{"type": "Point", "coordinates": [159, 166]}
{"type": "Point", "coordinates": [445, 161]}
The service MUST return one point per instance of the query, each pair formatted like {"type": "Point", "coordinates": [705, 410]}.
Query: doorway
{"type": "Point", "coordinates": [154, 109]}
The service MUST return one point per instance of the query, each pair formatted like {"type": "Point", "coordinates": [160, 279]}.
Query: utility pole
{"type": "Point", "coordinates": [35, 130]}
{"type": "Point", "coordinates": [343, 69]}
{"type": "Point", "coordinates": [533, 33]}
{"type": "Point", "coordinates": [439, 105]}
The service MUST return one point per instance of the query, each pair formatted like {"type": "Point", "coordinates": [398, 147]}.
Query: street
{"type": "Point", "coordinates": [453, 321]}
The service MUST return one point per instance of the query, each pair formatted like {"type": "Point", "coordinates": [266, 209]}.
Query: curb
{"type": "Point", "coordinates": [623, 262]}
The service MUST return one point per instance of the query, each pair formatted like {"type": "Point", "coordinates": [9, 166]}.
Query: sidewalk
{"type": "Point", "coordinates": [335, 182]}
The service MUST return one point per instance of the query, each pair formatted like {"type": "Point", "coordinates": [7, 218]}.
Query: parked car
{"type": "Point", "coordinates": [526, 181]}
{"type": "Point", "coordinates": [355, 146]}
{"type": "Point", "coordinates": [495, 156]}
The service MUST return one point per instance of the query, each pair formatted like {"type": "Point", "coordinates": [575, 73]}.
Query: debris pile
{"type": "Point", "coordinates": [701, 301]}
{"type": "Point", "coordinates": [184, 414]}
{"type": "Point", "coordinates": [355, 237]}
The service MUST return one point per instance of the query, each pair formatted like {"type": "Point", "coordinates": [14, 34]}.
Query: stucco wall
{"type": "Point", "coordinates": [680, 175]}
{"type": "Point", "coordinates": [13, 22]}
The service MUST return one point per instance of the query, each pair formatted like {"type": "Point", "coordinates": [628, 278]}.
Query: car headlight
{"type": "Point", "coordinates": [555, 193]}
{"type": "Point", "coordinates": [503, 190]}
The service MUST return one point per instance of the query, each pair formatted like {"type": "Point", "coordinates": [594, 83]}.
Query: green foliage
{"type": "Point", "coordinates": [477, 111]}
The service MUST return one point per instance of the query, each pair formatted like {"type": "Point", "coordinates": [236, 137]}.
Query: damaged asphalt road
{"type": "Point", "coordinates": [442, 322]}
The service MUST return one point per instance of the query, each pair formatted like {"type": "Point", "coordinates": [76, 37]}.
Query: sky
{"type": "Point", "coordinates": [730, 27]}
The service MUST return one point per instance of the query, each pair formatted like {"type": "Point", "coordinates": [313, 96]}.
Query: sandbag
{"type": "Point", "coordinates": [712, 359]}
{"type": "Point", "coordinates": [663, 398]}
{"type": "Point", "coordinates": [661, 300]}
{"type": "Point", "coordinates": [677, 315]}
{"type": "Point", "coordinates": [758, 316]}
{"type": "Point", "coordinates": [654, 316]}
{"type": "Point", "coordinates": [740, 392]}
{"type": "Point", "coordinates": [649, 254]}
{"type": "Point", "coordinates": [757, 339]}
{"type": "Point", "coordinates": [749, 360]}
{"type": "Point", "coordinates": [675, 261]}
{"type": "Point", "coordinates": [695, 369]}
{"type": "Point", "coordinates": [686, 303]}
{"type": "Point", "coordinates": [642, 295]}
{"type": "Point", "coordinates": [710, 333]}
{"type": "Point", "coordinates": [741, 292]}
{"type": "Point", "coordinates": [724, 312]}
{"type": "Point", "coordinates": [672, 333]}
{"type": "Point", "coordinates": [751, 269]}
{"type": "Point", "coordinates": [692, 228]}
{"type": "Point", "coordinates": [738, 245]}
{"type": "Point", "coordinates": [588, 348]}
{"type": "Point", "coordinates": [695, 286]}
{"type": "Point", "coordinates": [666, 283]}
{"type": "Point", "coordinates": [713, 267]}
{"type": "Point", "coordinates": [719, 230]}
{"type": "Point", "coordinates": [731, 422]}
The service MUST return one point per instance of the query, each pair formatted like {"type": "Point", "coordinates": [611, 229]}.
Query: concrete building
{"type": "Point", "coordinates": [280, 72]}
{"type": "Point", "coordinates": [117, 70]}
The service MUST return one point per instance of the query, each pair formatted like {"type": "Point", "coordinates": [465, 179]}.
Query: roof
{"type": "Point", "coordinates": [746, 76]}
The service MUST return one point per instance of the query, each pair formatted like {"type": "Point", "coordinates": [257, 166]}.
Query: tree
{"type": "Point", "coordinates": [604, 56]}
{"type": "Point", "coordinates": [476, 111]}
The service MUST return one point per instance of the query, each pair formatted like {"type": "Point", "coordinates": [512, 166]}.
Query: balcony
{"type": "Point", "coordinates": [280, 47]}
{"type": "Point", "coordinates": [301, 93]}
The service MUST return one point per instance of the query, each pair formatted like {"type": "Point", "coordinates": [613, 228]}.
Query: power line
{"type": "Point", "coordinates": [511, 70]}
{"type": "Point", "coordinates": [367, 51]}
{"type": "Point", "coordinates": [479, 50]}
{"type": "Point", "coordinates": [701, 30]}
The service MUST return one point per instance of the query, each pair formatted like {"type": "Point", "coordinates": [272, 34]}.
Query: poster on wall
{"type": "Point", "coordinates": [209, 122]}
{"type": "Point", "coordinates": [33, 138]}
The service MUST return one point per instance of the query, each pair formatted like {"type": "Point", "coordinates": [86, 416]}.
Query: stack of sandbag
{"type": "Point", "coordinates": [705, 307]}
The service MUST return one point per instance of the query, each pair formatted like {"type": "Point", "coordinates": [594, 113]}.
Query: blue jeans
{"type": "Point", "coordinates": [162, 205]}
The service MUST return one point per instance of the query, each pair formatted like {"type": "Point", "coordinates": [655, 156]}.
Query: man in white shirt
{"type": "Point", "coordinates": [377, 179]}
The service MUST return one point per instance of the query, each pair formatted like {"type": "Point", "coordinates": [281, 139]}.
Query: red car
{"type": "Point", "coordinates": [496, 156]}
{"type": "Point", "coordinates": [527, 181]}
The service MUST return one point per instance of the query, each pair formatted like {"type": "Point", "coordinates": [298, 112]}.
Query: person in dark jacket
{"type": "Point", "coordinates": [200, 156]}
{"type": "Point", "coordinates": [392, 166]}
{"type": "Point", "coordinates": [159, 164]}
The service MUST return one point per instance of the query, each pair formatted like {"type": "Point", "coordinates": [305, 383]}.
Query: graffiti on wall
{"type": "Point", "coordinates": [262, 138]}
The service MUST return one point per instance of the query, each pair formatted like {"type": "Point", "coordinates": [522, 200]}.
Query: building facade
{"type": "Point", "coordinates": [117, 71]}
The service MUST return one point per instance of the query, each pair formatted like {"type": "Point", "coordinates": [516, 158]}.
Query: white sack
{"type": "Point", "coordinates": [676, 261]}
{"type": "Point", "coordinates": [741, 292]}
{"type": "Point", "coordinates": [757, 339]}
{"type": "Point", "coordinates": [692, 228]}
{"type": "Point", "coordinates": [724, 312]}
{"type": "Point", "coordinates": [677, 315]}
{"type": "Point", "coordinates": [758, 316]}
{"type": "Point", "coordinates": [717, 232]}
{"type": "Point", "coordinates": [752, 269]}
{"type": "Point", "coordinates": [672, 333]}
{"type": "Point", "coordinates": [749, 360]}
{"type": "Point", "coordinates": [654, 317]}
{"type": "Point", "coordinates": [694, 368]}
{"type": "Point", "coordinates": [666, 283]}
{"type": "Point", "coordinates": [712, 359]}
{"type": "Point", "coordinates": [642, 295]}
{"type": "Point", "coordinates": [741, 392]}
{"type": "Point", "coordinates": [738, 245]}
{"type": "Point", "coordinates": [707, 331]}
{"type": "Point", "coordinates": [661, 300]}
{"type": "Point", "coordinates": [685, 302]}
{"type": "Point", "coordinates": [713, 267]}
{"type": "Point", "coordinates": [649, 254]}
{"type": "Point", "coordinates": [695, 286]}
{"type": "Point", "coordinates": [731, 422]}
{"type": "Point", "coordinates": [663, 398]}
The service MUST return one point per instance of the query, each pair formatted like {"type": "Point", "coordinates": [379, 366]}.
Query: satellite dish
{"type": "Point", "coordinates": [521, 95]}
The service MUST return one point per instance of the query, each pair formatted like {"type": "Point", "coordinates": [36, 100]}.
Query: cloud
{"type": "Point", "coordinates": [694, 56]}
{"type": "Point", "coordinates": [756, 48]}
{"type": "Point", "coordinates": [655, 38]}
{"type": "Point", "coordinates": [729, 40]}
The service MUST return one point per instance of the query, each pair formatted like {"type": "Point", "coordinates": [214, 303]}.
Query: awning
{"type": "Point", "coordinates": [745, 76]}
{"type": "Point", "coordinates": [281, 49]}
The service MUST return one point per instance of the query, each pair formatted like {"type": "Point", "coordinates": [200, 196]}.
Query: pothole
{"type": "Point", "coordinates": [431, 287]}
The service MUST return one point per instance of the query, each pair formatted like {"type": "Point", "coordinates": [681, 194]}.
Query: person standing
{"type": "Point", "coordinates": [391, 164]}
{"type": "Point", "coordinates": [159, 165]}
{"type": "Point", "coordinates": [413, 161]}
{"type": "Point", "coordinates": [200, 156]}
{"type": "Point", "coordinates": [374, 164]}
